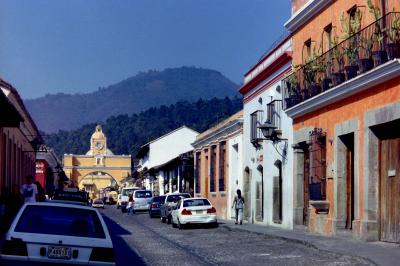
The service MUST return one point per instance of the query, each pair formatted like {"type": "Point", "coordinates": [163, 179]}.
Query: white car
{"type": "Point", "coordinates": [142, 199]}
{"type": "Point", "coordinates": [193, 211]}
{"type": "Point", "coordinates": [98, 204]}
{"type": "Point", "coordinates": [57, 233]}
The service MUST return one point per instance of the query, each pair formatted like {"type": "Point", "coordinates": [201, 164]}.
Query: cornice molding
{"type": "Point", "coordinates": [361, 83]}
{"type": "Point", "coordinates": [304, 14]}
{"type": "Point", "coordinates": [224, 132]}
{"type": "Point", "coordinates": [98, 168]}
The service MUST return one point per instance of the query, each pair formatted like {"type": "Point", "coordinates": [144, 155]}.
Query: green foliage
{"type": "Point", "coordinates": [125, 134]}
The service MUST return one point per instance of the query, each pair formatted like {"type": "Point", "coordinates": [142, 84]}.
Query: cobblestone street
{"type": "Point", "coordinates": [160, 244]}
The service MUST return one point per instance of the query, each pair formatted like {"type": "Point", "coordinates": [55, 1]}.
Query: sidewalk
{"type": "Point", "coordinates": [380, 253]}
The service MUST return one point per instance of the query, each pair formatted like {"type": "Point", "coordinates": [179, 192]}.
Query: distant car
{"type": "Point", "coordinates": [193, 211]}
{"type": "Point", "coordinates": [98, 204]}
{"type": "Point", "coordinates": [170, 201]}
{"type": "Point", "coordinates": [57, 233]}
{"type": "Point", "coordinates": [124, 196]}
{"type": "Point", "coordinates": [142, 199]}
{"type": "Point", "coordinates": [154, 208]}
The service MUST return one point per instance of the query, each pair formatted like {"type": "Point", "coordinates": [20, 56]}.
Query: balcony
{"type": "Point", "coordinates": [357, 63]}
{"type": "Point", "coordinates": [274, 109]}
{"type": "Point", "coordinates": [256, 120]}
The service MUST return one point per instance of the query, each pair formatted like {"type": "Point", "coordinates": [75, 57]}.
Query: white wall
{"type": "Point", "coordinates": [269, 154]}
{"type": "Point", "coordinates": [235, 152]}
{"type": "Point", "coordinates": [171, 146]}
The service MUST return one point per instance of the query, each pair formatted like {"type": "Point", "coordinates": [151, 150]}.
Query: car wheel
{"type": "Point", "coordinates": [214, 225]}
{"type": "Point", "coordinates": [180, 226]}
{"type": "Point", "coordinates": [118, 206]}
{"type": "Point", "coordinates": [163, 220]}
{"type": "Point", "coordinates": [174, 225]}
{"type": "Point", "coordinates": [169, 219]}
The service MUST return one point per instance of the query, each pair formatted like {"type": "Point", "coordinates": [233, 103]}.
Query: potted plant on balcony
{"type": "Point", "coordinates": [351, 25]}
{"type": "Point", "coordinates": [379, 56]}
{"type": "Point", "coordinates": [338, 76]}
{"type": "Point", "coordinates": [292, 86]}
{"type": "Point", "coordinates": [365, 62]}
{"type": "Point", "coordinates": [393, 47]}
{"type": "Point", "coordinates": [310, 71]}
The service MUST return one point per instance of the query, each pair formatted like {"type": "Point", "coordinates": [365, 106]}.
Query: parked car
{"type": "Point", "coordinates": [170, 201]}
{"type": "Point", "coordinates": [49, 232]}
{"type": "Point", "coordinates": [154, 207]}
{"type": "Point", "coordinates": [98, 204]}
{"type": "Point", "coordinates": [193, 211]}
{"type": "Point", "coordinates": [142, 199]}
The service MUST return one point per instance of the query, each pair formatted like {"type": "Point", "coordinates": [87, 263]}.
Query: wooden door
{"type": "Point", "coordinates": [390, 189]}
{"type": "Point", "coordinates": [306, 171]}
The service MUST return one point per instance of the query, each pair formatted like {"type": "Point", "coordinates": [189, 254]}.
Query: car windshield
{"type": "Point", "coordinates": [196, 202]}
{"type": "Point", "coordinates": [98, 202]}
{"type": "Point", "coordinates": [55, 220]}
{"type": "Point", "coordinates": [176, 197]}
{"type": "Point", "coordinates": [126, 192]}
{"type": "Point", "coordinates": [159, 199]}
{"type": "Point", "coordinates": [142, 194]}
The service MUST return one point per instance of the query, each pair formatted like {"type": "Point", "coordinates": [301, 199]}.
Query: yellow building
{"type": "Point", "coordinates": [99, 167]}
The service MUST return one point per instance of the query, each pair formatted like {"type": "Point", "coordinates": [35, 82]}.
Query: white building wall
{"type": "Point", "coordinates": [265, 156]}
{"type": "Point", "coordinates": [171, 146]}
{"type": "Point", "coordinates": [235, 172]}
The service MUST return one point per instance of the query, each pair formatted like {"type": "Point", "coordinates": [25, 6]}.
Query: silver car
{"type": "Point", "coordinates": [142, 199]}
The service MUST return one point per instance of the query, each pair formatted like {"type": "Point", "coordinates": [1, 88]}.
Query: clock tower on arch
{"type": "Point", "coordinates": [98, 142]}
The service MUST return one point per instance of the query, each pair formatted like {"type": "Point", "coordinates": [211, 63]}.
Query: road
{"type": "Point", "coordinates": [140, 240]}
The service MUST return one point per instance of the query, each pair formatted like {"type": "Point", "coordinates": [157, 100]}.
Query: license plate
{"type": "Point", "coordinates": [199, 212]}
{"type": "Point", "coordinates": [59, 253]}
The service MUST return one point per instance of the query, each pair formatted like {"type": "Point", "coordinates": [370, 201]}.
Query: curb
{"type": "Point", "coordinates": [302, 242]}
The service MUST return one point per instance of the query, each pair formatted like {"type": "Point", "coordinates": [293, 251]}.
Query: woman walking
{"type": "Point", "coordinates": [238, 203]}
{"type": "Point", "coordinates": [131, 205]}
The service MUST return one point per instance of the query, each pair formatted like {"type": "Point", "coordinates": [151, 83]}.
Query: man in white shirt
{"type": "Point", "coordinates": [29, 191]}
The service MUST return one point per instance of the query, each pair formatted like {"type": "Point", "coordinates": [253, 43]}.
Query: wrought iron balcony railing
{"type": "Point", "coordinates": [363, 51]}
{"type": "Point", "coordinates": [256, 120]}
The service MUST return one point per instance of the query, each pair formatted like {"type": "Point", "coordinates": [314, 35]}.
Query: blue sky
{"type": "Point", "coordinates": [50, 46]}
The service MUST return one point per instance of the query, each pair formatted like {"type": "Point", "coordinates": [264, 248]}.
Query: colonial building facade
{"type": "Point", "coordinates": [345, 103]}
{"type": "Point", "coordinates": [98, 168]}
{"type": "Point", "coordinates": [19, 139]}
{"type": "Point", "coordinates": [166, 163]}
{"type": "Point", "coordinates": [267, 164]}
{"type": "Point", "coordinates": [218, 161]}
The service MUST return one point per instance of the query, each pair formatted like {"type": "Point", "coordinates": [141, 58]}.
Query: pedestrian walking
{"type": "Point", "coordinates": [29, 191]}
{"type": "Point", "coordinates": [131, 206]}
{"type": "Point", "coordinates": [238, 204]}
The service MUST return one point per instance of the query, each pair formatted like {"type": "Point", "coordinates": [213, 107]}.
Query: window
{"type": "Point", "coordinates": [198, 171]}
{"type": "Point", "coordinates": [196, 202]}
{"type": "Point", "coordinates": [328, 37]}
{"type": "Point", "coordinates": [307, 45]}
{"type": "Point", "coordinates": [143, 194]}
{"type": "Point", "coordinates": [256, 120]}
{"type": "Point", "coordinates": [317, 178]}
{"type": "Point", "coordinates": [48, 220]}
{"type": "Point", "coordinates": [274, 109]}
{"type": "Point", "coordinates": [212, 167]}
{"type": "Point", "coordinates": [222, 165]}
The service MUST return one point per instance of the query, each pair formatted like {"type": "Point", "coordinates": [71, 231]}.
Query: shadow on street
{"type": "Point", "coordinates": [123, 253]}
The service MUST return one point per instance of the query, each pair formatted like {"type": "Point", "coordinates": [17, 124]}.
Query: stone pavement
{"type": "Point", "coordinates": [380, 253]}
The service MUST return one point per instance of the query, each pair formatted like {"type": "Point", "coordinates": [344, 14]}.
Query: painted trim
{"type": "Point", "coordinates": [283, 59]}
{"type": "Point", "coordinates": [304, 14]}
{"type": "Point", "coordinates": [266, 86]}
{"type": "Point", "coordinates": [98, 168]}
{"type": "Point", "coordinates": [361, 83]}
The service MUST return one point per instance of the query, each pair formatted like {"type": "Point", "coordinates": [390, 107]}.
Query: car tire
{"type": "Point", "coordinates": [180, 226]}
{"type": "Point", "coordinates": [118, 206]}
{"type": "Point", "coordinates": [169, 219]}
{"type": "Point", "coordinates": [163, 220]}
{"type": "Point", "coordinates": [214, 225]}
{"type": "Point", "coordinates": [174, 225]}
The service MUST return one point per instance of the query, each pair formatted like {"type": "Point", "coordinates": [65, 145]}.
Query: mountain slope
{"type": "Point", "coordinates": [125, 134]}
{"type": "Point", "coordinates": [135, 94]}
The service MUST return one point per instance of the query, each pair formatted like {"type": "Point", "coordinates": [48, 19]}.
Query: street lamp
{"type": "Point", "coordinates": [268, 130]}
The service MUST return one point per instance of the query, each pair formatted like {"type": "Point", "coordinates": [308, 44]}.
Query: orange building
{"type": "Point", "coordinates": [218, 164]}
{"type": "Point", "coordinates": [19, 139]}
{"type": "Point", "coordinates": [344, 98]}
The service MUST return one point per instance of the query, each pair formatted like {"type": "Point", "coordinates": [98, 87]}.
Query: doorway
{"type": "Point", "coordinates": [348, 143]}
{"type": "Point", "coordinates": [306, 181]}
{"type": "Point", "coordinates": [389, 185]}
{"type": "Point", "coordinates": [247, 193]}
{"type": "Point", "coordinates": [277, 194]}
